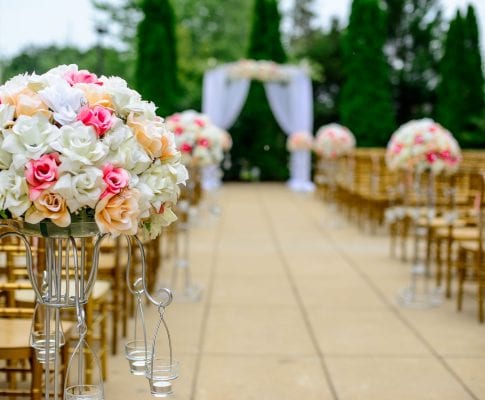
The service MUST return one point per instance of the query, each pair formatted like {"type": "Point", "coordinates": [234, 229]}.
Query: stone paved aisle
{"type": "Point", "coordinates": [299, 304]}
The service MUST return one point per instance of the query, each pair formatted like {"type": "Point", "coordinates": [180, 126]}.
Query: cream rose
{"type": "Point", "coordinates": [118, 214]}
{"type": "Point", "coordinates": [49, 205]}
{"type": "Point", "coordinates": [14, 192]}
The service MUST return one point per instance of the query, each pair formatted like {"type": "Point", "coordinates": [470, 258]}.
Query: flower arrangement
{"type": "Point", "coordinates": [261, 70]}
{"type": "Point", "coordinates": [333, 140]}
{"type": "Point", "coordinates": [298, 141]}
{"type": "Point", "coordinates": [197, 138]}
{"type": "Point", "coordinates": [423, 145]}
{"type": "Point", "coordinates": [76, 146]}
{"type": "Point", "coordinates": [226, 141]}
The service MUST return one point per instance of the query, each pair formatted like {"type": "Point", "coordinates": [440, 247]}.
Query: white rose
{"type": "Point", "coordinates": [29, 138]}
{"type": "Point", "coordinates": [64, 100]}
{"type": "Point", "coordinates": [14, 86]}
{"type": "Point", "coordinates": [81, 189]}
{"type": "Point", "coordinates": [14, 192]}
{"type": "Point", "coordinates": [161, 180]}
{"type": "Point", "coordinates": [6, 114]}
{"type": "Point", "coordinates": [123, 97]}
{"type": "Point", "coordinates": [131, 156]}
{"type": "Point", "coordinates": [117, 135]}
{"type": "Point", "coordinates": [78, 144]}
{"type": "Point", "coordinates": [5, 156]}
{"type": "Point", "coordinates": [159, 221]}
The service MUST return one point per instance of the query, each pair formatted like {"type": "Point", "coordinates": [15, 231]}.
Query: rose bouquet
{"type": "Point", "coordinates": [299, 141]}
{"type": "Point", "coordinates": [423, 145]}
{"type": "Point", "coordinates": [197, 138]}
{"type": "Point", "coordinates": [75, 146]}
{"type": "Point", "coordinates": [333, 141]}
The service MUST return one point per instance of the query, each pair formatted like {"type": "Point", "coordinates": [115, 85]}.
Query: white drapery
{"type": "Point", "coordinates": [290, 101]}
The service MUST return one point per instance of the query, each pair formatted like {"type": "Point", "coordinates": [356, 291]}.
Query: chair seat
{"type": "Point", "coordinates": [470, 246]}
{"type": "Point", "coordinates": [459, 233]}
{"type": "Point", "coordinates": [438, 222]}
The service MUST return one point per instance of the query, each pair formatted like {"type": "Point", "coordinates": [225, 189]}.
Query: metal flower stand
{"type": "Point", "coordinates": [71, 264]}
{"type": "Point", "coordinates": [184, 289]}
{"type": "Point", "coordinates": [420, 293]}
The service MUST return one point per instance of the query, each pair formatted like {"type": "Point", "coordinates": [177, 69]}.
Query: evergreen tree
{"type": "Point", "coordinates": [474, 73]}
{"type": "Point", "coordinates": [451, 107]}
{"type": "Point", "coordinates": [366, 100]}
{"type": "Point", "coordinates": [258, 140]}
{"type": "Point", "coordinates": [414, 32]}
{"type": "Point", "coordinates": [303, 18]}
{"type": "Point", "coordinates": [156, 66]}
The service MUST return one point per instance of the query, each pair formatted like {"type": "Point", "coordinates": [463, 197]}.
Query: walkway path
{"type": "Point", "coordinates": [299, 304]}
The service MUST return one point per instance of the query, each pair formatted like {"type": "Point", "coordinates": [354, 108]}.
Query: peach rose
{"type": "Point", "coordinates": [49, 205]}
{"type": "Point", "coordinates": [27, 102]}
{"type": "Point", "coordinates": [118, 214]}
{"type": "Point", "coordinates": [96, 96]}
{"type": "Point", "coordinates": [148, 133]}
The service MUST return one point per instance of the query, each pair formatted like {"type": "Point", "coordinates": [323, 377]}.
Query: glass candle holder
{"type": "Point", "coordinates": [138, 355]}
{"type": "Point", "coordinates": [160, 373]}
{"type": "Point", "coordinates": [84, 392]}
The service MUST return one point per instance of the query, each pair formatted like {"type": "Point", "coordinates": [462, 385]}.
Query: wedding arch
{"type": "Point", "coordinates": [289, 92]}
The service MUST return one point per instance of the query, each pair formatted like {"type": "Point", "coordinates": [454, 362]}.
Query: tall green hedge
{"type": "Point", "coordinates": [366, 106]}
{"type": "Point", "coordinates": [258, 140]}
{"type": "Point", "coordinates": [156, 66]}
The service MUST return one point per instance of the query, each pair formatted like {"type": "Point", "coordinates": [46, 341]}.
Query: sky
{"type": "Point", "coordinates": [72, 22]}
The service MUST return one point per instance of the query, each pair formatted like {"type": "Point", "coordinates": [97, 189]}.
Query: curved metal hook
{"type": "Point", "coordinates": [168, 292]}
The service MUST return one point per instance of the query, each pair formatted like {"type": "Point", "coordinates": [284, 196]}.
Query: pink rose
{"type": "Point", "coordinates": [116, 180]}
{"type": "Point", "coordinates": [82, 76]}
{"type": "Point", "coordinates": [178, 130]}
{"type": "Point", "coordinates": [431, 157]}
{"type": "Point", "coordinates": [199, 122]}
{"type": "Point", "coordinates": [99, 117]}
{"type": "Point", "coordinates": [41, 174]}
{"type": "Point", "coordinates": [204, 142]}
{"type": "Point", "coordinates": [418, 139]}
{"type": "Point", "coordinates": [185, 148]}
{"type": "Point", "coordinates": [397, 148]}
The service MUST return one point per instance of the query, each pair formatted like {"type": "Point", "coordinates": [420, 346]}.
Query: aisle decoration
{"type": "Point", "coordinates": [74, 145]}
{"type": "Point", "coordinates": [81, 158]}
{"type": "Point", "coordinates": [197, 138]}
{"type": "Point", "coordinates": [422, 149]}
{"type": "Point", "coordinates": [421, 145]}
{"type": "Point", "coordinates": [333, 141]}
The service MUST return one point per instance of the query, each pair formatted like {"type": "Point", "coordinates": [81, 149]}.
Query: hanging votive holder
{"type": "Point", "coordinates": [45, 338]}
{"type": "Point", "coordinates": [161, 371]}
{"type": "Point", "coordinates": [83, 392]}
{"type": "Point", "coordinates": [137, 350]}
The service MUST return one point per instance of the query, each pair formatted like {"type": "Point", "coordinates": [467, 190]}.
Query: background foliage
{"type": "Point", "coordinates": [433, 67]}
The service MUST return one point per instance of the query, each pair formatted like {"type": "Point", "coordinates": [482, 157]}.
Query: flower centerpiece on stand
{"type": "Point", "coordinates": [421, 149]}
{"type": "Point", "coordinates": [201, 144]}
{"type": "Point", "coordinates": [73, 146]}
{"type": "Point", "coordinates": [333, 141]}
{"type": "Point", "coordinates": [421, 145]}
{"type": "Point", "coordinates": [82, 157]}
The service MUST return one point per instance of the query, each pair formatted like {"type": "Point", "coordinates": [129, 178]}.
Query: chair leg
{"type": "Point", "coordinates": [449, 265]}
{"type": "Point", "coordinates": [36, 384]}
{"type": "Point", "coordinates": [461, 279]}
{"type": "Point", "coordinates": [439, 273]}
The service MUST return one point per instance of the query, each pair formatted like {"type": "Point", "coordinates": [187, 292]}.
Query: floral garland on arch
{"type": "Point", "coordinates": [422, 145]}
{"type": "Point", "coordinates": [260, 70]}
{"type": "Point", "coordinates": [299, 141]}
{"type": "Point", "coordinates": [333, 141]}
{"type": "Point", "coordinates": [76, 145]}
{"type": "Point", "coordinates": [198, 139]}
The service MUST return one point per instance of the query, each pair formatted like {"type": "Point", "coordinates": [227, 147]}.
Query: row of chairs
{"type": "Point", "coordinates": [444, 212]}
